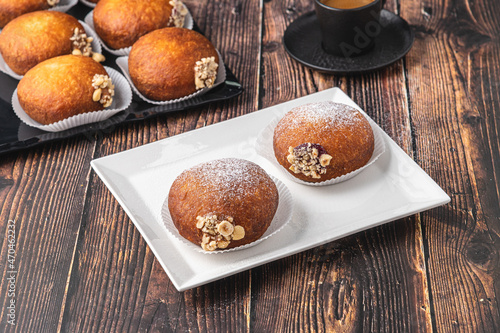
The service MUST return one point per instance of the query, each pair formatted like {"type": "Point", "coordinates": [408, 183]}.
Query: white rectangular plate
{"type": "Point", "coordinates": [140, 178]}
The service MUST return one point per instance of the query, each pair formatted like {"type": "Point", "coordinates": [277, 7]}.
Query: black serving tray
{"type": "Point", "coordinates": [15, 135]}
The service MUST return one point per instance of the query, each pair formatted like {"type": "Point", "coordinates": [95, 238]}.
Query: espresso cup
{"type": "Point", "coordinates": [349, 32]}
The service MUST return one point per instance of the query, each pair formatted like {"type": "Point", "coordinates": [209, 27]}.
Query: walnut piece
{"type": "Point", "coordinates": [104, 90]}
{"type": "Point", "coordinates": [179, 12]}
{"type": "Point", "coordinates": [310, 159]}
{"type": "Point", "coordinates": [205, 72]}
{"type": "Point", "coordinates": [218, 231]}
{"type": "Point", "coordinates": [82, 45]}
{"type": "Point", "coordinates": [52, 3]}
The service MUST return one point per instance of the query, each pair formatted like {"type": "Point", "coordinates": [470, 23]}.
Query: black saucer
{"type": "Point", "coordinates": [302, 41]}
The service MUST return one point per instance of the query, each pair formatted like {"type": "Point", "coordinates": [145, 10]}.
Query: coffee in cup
{"type": "Point", "coordinates": [348, 32]}
{"type": "Point", "coordinates": [346, 4]}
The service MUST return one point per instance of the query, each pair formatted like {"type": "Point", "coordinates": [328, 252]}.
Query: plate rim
{"type": "Point", "coordinates": [98, 165]}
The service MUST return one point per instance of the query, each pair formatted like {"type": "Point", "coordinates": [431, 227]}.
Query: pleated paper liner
{"type": "Point", "coordinates": [122, 62]}
{"type": "Point", "coordinates": [88, 3]}
{"type": "Point", "coordinates": [121, 100]}
{"type": "Point", "coordinates": [264, 147]}
{"type": "Point", "coordinates": [6, 69]}
{"type": "Point", "coordinates": [96, 47]}
{"type": "Point", "coordinates": [282, 217]}
{"type": "Point", "coordinates": [64, 5]}
{"type": "Point", "coordinates": [89, 19]}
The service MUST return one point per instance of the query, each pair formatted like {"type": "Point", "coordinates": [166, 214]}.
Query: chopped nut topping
{"type": "Point", "coordinates": [52, 3]}
{"type": "Point", "coordinates": [200, 223]}
{"type": "Point", "coordinates": [324, 160]}
{"type": "Point", "coordinates": [98, 57]}
{"type": "Point", "coordinates": [179, 12]}
{"type": "Point", "coordinates": [218, 231]}
{"type": "Point", "coordinates": [238, 233]}
{"type": "Point", "coordinates": [225, 228]}
{"type": "Point", "coordinates": [223, 244]}
{"type": "Point", "coordinates": [82, 45]}
{"type": "Point", "coordinates": [309, 159]}
{"type": "Point", "coordinates": [205, 72]}
{"type": "Point", "coordinates": [104, 90]}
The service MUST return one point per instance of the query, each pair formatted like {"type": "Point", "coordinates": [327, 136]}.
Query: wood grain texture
{"type": "Point", "coordinates": [374, 281]}
{"type": "Point", "coordinates": [114, 263]}
{"type": "Point", "coordinates": [454, 110]}
{"type": "Point", "coordinates": [43, 192]}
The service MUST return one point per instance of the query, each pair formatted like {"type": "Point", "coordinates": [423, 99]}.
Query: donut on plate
{"type": "Point", "coordinates": [223, 203]}
{"type": "Point", "coordinates": [321, 141]}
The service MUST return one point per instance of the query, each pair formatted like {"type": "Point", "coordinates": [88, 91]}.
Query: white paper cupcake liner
{"type": "Point", "coordinates": [64, 5]}
{"type": "Point", "coordinates": [96, 47]}
{"type": "Point", "coordinates": [282, 217]}
{"type": "Point", "coordinates": [264, 147]}
{"type": "Point", "coordinates": [122, 62]}
{"type": "Point", "coordinates": [89, 19]}
{"type": "Point", "coordinates": [88, 3]}
{"type": "Point", "coordinates": [121, 100]}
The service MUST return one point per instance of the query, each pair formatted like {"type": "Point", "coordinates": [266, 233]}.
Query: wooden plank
{"type": "Point", "coordinates": [373, 281]}
{"type": "Point", "coordinates": [453, 84]}
{"type": "Point", "coordinates": [43, 191]}
{"type": "Point", "coordinates": [118, 285]}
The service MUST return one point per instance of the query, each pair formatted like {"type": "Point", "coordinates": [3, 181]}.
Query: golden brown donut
{"type": "Point", "coordinates": [321, 141]}
{"type": "Point", "coordinates": [64, 86]}
{"type": "Point", "coordinates": [223, 203]}
{"type": "Point", "coordinates": [34, 37]}
{"type": "Point", "coordinates": [171, 63]}
{"type": "Point", "coordinates": [120, 23]}
{"type": "Point", "coordinates": [10, 9]}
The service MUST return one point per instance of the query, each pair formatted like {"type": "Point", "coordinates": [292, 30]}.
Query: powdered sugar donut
{"type": "Point", "coordinates": [321, 141]}
{"type": "Point", "coordinates": [223, 203]}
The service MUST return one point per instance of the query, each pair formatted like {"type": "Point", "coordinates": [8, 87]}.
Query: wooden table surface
{"type": "Point", "coordinates": [82, 266]}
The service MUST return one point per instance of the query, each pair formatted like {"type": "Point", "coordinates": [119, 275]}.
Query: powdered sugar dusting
{"type": "Point", "coordinates": [333, 115]}
{"type": "Point", "coordinates": [228, 178]}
